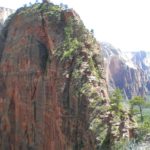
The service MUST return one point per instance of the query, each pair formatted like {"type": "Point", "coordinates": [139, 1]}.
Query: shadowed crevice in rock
{"type": "Point", "coordinates": [52, 91]}
{"type": "Point", "coordinates": [66, 92]}
{"type": "Point", "coordinates": [12, 118]}
{"type": "Point", "coordinates": [43, 55]}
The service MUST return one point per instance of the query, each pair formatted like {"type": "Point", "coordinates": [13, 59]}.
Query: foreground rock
{"type": "Point", "coordinates": [53, 91]}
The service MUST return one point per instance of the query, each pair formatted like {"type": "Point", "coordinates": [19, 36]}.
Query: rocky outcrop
{"type": "Point", "coordinates": [4, 13]}
{"type": "Point", "coordinates": [127, 71]}
{"type": "Point", "coordinates": [47, 68]}
{"type": "Point", "coordinates": [53, 91]}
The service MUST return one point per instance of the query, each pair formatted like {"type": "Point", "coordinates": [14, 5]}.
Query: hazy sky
{"type": "Point", "coordinates": [124, 23]}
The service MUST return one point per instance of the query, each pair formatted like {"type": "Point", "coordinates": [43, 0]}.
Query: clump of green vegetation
{"type": "Point", "coordinates": [93, 68]}
{"type": "Point", "coordinates": [71, 43]}
{"type": "Point", "coordinates": [49, 9]}
{"type": "Point", "coordinates": [136, 106]}
{"type": "Point", "coordinates": [139, 110]}
{"type": "Point", "coordinates": [116, 101]}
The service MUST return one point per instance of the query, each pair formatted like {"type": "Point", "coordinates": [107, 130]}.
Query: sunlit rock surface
{"type": "Point", "coordinates": [53, 91]}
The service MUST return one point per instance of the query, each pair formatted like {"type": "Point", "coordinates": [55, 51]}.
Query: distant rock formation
{"type": "Point", "coordinates": [127, 71]}
{"type": "Point", "coordinates": [4, 13]}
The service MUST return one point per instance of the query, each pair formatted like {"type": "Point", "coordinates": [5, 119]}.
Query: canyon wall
{"type": "Point", "coordinates": [53, 90]}
{"type": "Point", "coordinates": [127, 71]}
{"type": "Point", "coordinates": [46, 69]}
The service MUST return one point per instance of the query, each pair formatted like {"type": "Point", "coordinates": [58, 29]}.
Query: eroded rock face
{"type": "Point", "coordinates": [43, 97]}
{"type": "Point", "coordinates": [53, 91]}
{"type": "Point", "coordinates": [126, 71]}
{"type": "Point", "coordinates": [4, 13]}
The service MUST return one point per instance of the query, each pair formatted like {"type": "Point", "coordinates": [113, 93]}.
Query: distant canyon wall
{"type": "Point", "coordinates": [127, 71]}
{"type": "Point", "coordinates": [4, 13]}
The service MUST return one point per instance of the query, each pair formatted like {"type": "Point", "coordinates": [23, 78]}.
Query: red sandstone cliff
{"type": "Point", "coordinates": [41, 105]}
{"type": "Point", "coordinates": [53, 92]}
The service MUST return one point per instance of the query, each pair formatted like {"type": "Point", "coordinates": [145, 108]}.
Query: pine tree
{"type": "Point", "coordinates": [136, 106]}
{"type": "Point", "coordinates": [116, 100]}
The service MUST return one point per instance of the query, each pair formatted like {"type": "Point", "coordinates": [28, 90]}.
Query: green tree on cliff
{"type": "Point", "coordinates": [136, 106]}
{"type": "Point", "coordinates": [116, 100]}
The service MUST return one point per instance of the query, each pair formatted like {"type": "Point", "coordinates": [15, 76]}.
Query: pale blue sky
{"type": "Point", "coordinates": [124, 23]}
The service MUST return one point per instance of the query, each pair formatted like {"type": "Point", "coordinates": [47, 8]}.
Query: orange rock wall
{"type": "Point", "coordinates": [32, 115]}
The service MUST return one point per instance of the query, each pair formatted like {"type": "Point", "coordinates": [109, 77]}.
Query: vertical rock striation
{"type": "Point", "coordinates": [127, 71]}
{"type": "Point", "coordinates": [52, 82]}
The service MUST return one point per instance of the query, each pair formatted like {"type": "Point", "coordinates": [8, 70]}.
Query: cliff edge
{"type": "Point", "coordinates": [53, 91]}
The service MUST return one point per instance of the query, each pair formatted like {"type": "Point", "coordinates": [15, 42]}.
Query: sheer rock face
{"type": "Point", "coordinates": [4, 13]}
{"type": "Point", "coordinates": [44, 101]}
{"type": "Point", "coordinates": [130, 80]}
{"type": "Point", "coordinates": [127, 71]}
{"type": "Point", "coordinates": [53, 91]}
